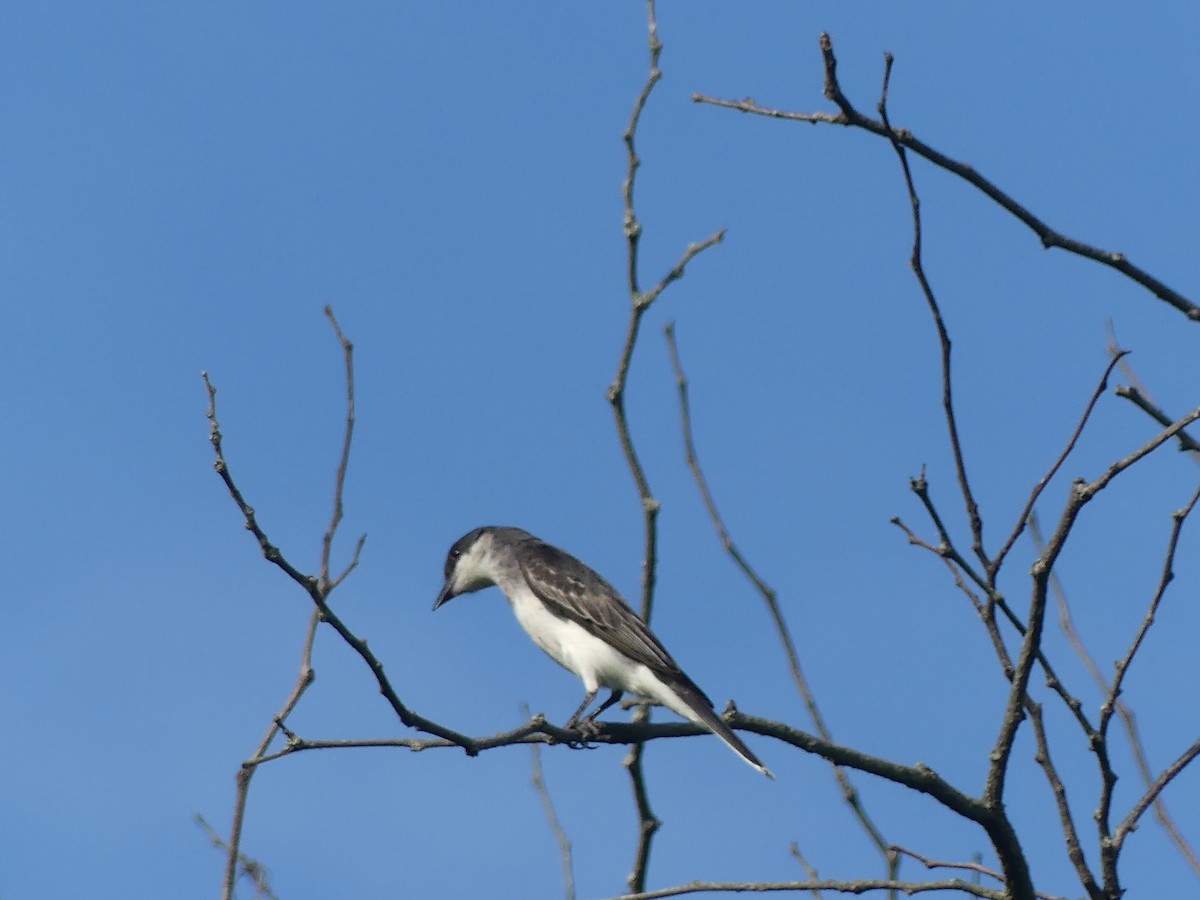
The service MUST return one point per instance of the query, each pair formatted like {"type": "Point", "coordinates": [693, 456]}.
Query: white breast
{"type": "Point", "coordinates": [568, 644]}
{"type": "Point", "coordinates": [595, 662]}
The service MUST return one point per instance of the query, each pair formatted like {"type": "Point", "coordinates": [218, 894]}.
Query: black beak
{"type": "Point", "coordinates": [443, 596]}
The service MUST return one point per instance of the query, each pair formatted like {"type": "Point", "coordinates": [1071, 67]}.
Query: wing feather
{"type": "Point", "coordinates": [572, 590]}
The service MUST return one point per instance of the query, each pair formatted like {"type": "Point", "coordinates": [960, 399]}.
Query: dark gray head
{"type": "Point", "coordinates": [478, 559]}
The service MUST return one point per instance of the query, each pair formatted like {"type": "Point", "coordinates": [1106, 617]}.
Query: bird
{"type": "Point", "coordinates": [583, 624]}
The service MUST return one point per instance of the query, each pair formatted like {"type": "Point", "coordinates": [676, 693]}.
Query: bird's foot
{"type": "Point", "coordinates": [587, 728]}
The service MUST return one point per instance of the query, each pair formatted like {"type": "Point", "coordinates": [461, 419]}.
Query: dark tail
{"type": "Point", "coordinates": [700, 711]}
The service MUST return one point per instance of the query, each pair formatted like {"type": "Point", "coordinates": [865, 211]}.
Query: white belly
{"type": "Point", "coordinates": [594, 661]}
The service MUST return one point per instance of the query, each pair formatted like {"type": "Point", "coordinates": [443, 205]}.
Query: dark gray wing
{"type": "Point", "coordinates": [573, 591]}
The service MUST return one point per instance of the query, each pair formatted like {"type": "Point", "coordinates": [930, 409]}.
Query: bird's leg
{"type": "Point", "coordinates": [588, 726]}
{"type": "Point", "coordinates": [612, 698]}
{"type": "Point", "coordinates": [574, 720]}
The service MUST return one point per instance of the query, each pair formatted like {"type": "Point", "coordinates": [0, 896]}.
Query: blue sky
{"type": "Point", "coordinates": [185, 186]}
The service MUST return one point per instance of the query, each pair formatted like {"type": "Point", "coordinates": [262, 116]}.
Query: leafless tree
{"type": "Point", "coordinates": [1015, 627]}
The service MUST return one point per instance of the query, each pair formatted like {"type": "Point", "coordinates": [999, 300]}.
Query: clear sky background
{"type": "Point", "coordinates": [184, 186]}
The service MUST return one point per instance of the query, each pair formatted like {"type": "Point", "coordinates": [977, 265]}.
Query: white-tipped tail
{"type": "Point", "coordinates": [689, 701]}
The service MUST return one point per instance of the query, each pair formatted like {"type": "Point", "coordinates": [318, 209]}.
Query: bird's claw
{"type": "Point", "coordinates": [586, 728]}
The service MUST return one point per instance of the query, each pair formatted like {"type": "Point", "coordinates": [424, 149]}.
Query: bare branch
{"type": "Point", "coordinates": [259, 875]}
{"type": "Point", "coordinates": [976, 867]}
{"type": "Point", "coordinates": [1012, 859]}
{"type": "Point", "coordinates": [859, 886]}
{"type": "Point", "coordinates": [304, 678]}
{"type": "Point", "coordinates": [1065, 818]}
{"type": "Point", "coordinates": [350, 566]}
{"type": "Point", "coordinates": [949, 557]}
{"type": "Point", "coordinates": [850, 117]}
{"type": "Point", "coordinates": [538, 730]}
{"type": "Point", "coordinates": [1129, 823]}
{"type": "Point", "coordinates": [959, 567]}
{"type": "Point", "coordinates": [985, 610]}
{"type": "Point", "coordinates": [318, 592]}
{"type": "Point", "coordinates": [1178, 518]}
{"type": "Point", "coordinates": [849, 794]}
{"type": "Point", "coordinates": [648, 822]}
{"type": "Point", "coordinates": [918, 267]}
{"type": "Point", "coordinates": [639, 302]}
{"type": "Point", "coordinates": [1160, 807]}
{"type": "Point", "coordinates": [1128, 720]}
{"type": "Point", "coordinates": [560, 836]}
{"type": "Point", "coordinates": [809, 870]}
{"type": "Point", "coordinates": [1031, 650]}
{"type": "Point", "coordinates": [269, 550]}
{"type": "Point", "coordinates": [1146, 405]}
{"type": "Point", "coordinates": [1081, 494]}
{"type": "Point", "coordinates": [1136, 393]}
{"type": "Point", "coordinates": [1019, 527]}
{"type": "Point", "coordinates": [1109, 850]}
{"type": "Point", "coordinates": [676, 271]}
{"type": "Point", "coordinates": [1088, 491]}
{"type": "Point", "coordinates": [339, 481]}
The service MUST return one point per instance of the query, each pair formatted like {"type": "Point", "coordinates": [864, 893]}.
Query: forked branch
{"type": "Point", "coordinates": [849, 116]}
{"type": "Point", "coordinates": [849, 793]}
{"type": "Point", "coordinates": [639, 302]}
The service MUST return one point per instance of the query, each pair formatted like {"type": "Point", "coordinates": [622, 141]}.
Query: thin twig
{"type": "Point", "coordinates": [1031, 501]}
{"type": "Point", "coordinates": [949, 557]}
{"type": "Point", "coordinates": [339, 481]}
{"type": "Point", "coordinates": [1129, 823]}
{"type": "Point", "coordinates": [1146, 405]}
{"type": "Point", "coordinates": [1081, 494]}
{"type": "Point", "coordinates": [944, 344]}
{"type": "Point", "coordinates": [259, 875]}
{"type": "Point", "coordinates": [1012, 858]}
{"type": "Point", "coordinates": [858, 886]}
{"type": "Point", "coordinates": [1110, 849]}
{"type": "Point", "coordinates": [975, 867]}
{"type": "Point", "coordinates": [992, 568]}
{"type": "Point", "coordinates": [1019, 702]}
{"type": "Point", "coordinates": [959, 567]}
{"type": "Point", "coordinates": [849, 792]}
{"type": "Point", "coordinates": [1058, 789]}
{"type": "Point", "coordinates": [639, 302]}
{"type": "Point", "coordinates": [1089, 490]}
{"type": "Point", "coordinates": [305, 677]}
{"type": "Point", "coordinates": [560, 836]}
{"type": "Point", "coordinates": [648, 822]}
{"type": "Point", "coordinates": [536, 731]}
{"type": "Point", "coordinates": [269, 551]}
{"type": "Point", "coordinates": [312, 587]}
{"type": "Point", "coordinates": [851, 117]}
{"type": "Point", "coordinates": [1128, 719]}
{"type": "Point", "coordinates": [809, 870]}
{"type": "Point", "coordinates": [1137, 393]}
{"type": "Point", "coordinates": [1178, 518]}
{"type": "Point", "coordinates": [318, 589]}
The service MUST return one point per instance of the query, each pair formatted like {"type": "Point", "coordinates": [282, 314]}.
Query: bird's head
{"type": "Point", "coordinates": [470, 565]}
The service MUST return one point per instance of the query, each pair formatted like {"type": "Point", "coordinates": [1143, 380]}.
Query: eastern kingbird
{"type": "Point", "coordinates": [582, 623]}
